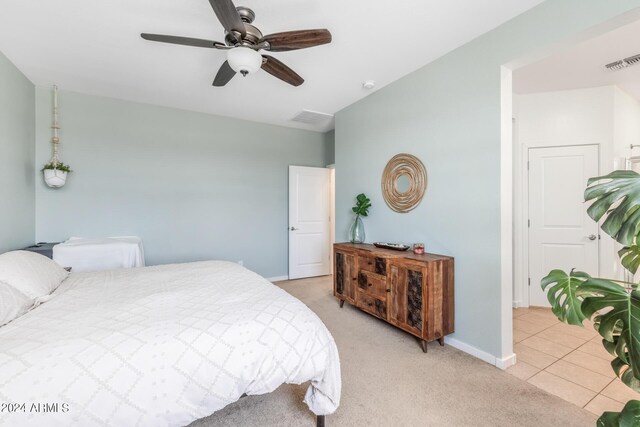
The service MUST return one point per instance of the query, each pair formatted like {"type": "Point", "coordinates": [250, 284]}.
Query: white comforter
{"type": "Point", "coordinates": [161, 346]}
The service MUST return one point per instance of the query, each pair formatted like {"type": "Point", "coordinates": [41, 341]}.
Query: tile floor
{"type": "Point", "coordinates": [567, 361]}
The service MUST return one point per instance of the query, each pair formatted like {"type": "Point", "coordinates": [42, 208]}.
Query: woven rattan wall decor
{"type": "Point", "coordinates": [403, 167]}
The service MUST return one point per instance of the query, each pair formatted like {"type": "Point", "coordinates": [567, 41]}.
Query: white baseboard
{"type": "Point", "coordinates": [277, 278]}
{"type": "Point", "coordinates": [506, 362]}
{"type": "Point", "coordinates": [517, 304]}
{"type": "Point", "coordinates": [481, 354]}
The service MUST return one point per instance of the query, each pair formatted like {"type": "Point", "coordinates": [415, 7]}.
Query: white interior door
{"type": "Point", "coordinates": [309, 222]}
{"type": "Point", "coordinates": [561, 234]}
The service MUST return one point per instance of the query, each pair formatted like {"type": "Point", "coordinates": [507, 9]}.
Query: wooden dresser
{"type": "Point", "coordinates": [412, 292]}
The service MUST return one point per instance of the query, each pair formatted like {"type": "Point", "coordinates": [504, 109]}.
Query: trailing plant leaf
{"type": "Point", "coordinates": [629, 417]}
{"type": "Point", "coordinates": [630, 258]}
{"type": "Point", "coordinates": [564, 295]}
{"type": "Point", "coordinates": [620, 325]}
{"type": "Point", "coordinates": [59, 166]}
{"type": "Point", "coordinates": [362, 205]}
{"type": "Point", "coordinates": [619, 200]}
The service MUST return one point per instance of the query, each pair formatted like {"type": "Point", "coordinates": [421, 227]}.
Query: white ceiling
{"type": "Point", "coordinates": [94, 47]}
{"type": "Point", "coordinates": [582, 66]}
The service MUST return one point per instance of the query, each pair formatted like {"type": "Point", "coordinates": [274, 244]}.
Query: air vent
{"type": "Point", "coordinates": [623, 63]}
{"type": "Point", "coordinates": [312, 117]}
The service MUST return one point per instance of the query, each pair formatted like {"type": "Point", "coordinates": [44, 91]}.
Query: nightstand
{"type": "Point", "coordinates": [42, 248]}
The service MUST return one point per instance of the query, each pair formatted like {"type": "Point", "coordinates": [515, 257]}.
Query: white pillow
{"type": "Point", "coordinates": [13, 303]}
{"type": "Point", "coordinates": [32, 274]}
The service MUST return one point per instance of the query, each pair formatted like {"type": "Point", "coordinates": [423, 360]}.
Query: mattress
{"type": "Point", "coordinates": [161, 346]}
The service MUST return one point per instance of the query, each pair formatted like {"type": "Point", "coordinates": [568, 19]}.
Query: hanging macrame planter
{"type": "Point", "coordinates": [55, 172]}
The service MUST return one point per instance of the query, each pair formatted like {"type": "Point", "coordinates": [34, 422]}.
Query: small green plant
{"type": "Point", "coordinates": [59, 166]}
{"type": "Point", "coordinates": [363, 203]}
{"type": "Point", "coordinates": [356, 232]}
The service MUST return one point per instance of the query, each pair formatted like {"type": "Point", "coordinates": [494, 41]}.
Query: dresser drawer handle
{"type": "Point", "coordinates": [370, 285]}
{"type": "Point", "coordinates": [370, 304]}
{"type": "Point", "coordinates": [369, 263]}
{"type": "Point", "coordinates": [388, 290]}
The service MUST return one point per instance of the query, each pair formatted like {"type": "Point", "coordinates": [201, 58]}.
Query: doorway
{"type": "Point", "coordinates": [310, 221]}
{"type": "Point", "coordinates": [561, 234]}
{"type": "Point", "coordinates": [573, 119]}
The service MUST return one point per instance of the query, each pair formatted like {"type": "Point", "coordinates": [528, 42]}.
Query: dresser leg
{"type": "Point", "coordinates": [341, 303]}
{"type": "Point", "coordinates": [441, 341]}
{"type": "Point", "coordinates": [423, 344]}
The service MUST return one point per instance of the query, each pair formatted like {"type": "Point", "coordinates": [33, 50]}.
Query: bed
{"type": "Point", "coordinates": [160, 346]}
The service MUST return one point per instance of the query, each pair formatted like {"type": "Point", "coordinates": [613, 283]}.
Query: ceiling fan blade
{"type": "Point", "coordinates": [281, 71]}
{"type": "Point", "coordinates": [225, 74]}
{"type": "Point", "coordinates": [292, 40]}
{"type": "Point", "coordinates": [186, 41]}
{"type": "Point", "coordinates": [228, 16]}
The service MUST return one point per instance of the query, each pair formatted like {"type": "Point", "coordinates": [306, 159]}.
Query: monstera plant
{"type": "Point", "coordinates": [614, 305]}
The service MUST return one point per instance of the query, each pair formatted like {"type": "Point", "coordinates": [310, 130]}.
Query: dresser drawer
{"type": "Point", "coordinates": [373, 284]}
{"type": "Point", "coordinates": [372, 305]}
{"type": "Point", "coordinates": [373, 264]}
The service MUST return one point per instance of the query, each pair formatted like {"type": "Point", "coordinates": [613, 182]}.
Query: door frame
{"type": "Point", "coordinates": [332, 212]}
{"type": "Point", "coordinates": [521, 228]}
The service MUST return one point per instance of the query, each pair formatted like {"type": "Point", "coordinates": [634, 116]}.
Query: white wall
{"type": "Point", "coordinates": [605, 116]}
{"type": "Point", "coordinates": [626, 125]}
{"type": "Point", "coordinates": [193, 186]}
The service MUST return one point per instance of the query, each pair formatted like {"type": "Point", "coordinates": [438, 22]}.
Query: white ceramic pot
{"type": "Point", "coordinates": [55, 178]}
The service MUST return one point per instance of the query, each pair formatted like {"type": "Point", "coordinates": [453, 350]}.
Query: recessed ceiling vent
{"type": "Point", "coordinates": [623, 63]}
{"type": "Point", "coordinates": [312, 117]}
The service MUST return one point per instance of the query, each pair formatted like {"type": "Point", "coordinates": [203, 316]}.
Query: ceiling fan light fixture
{"type": "Point", "coordinates": [244, 60]}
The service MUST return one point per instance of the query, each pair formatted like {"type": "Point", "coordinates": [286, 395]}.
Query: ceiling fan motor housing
{"type": "Point", "coordinates": [253, 34]}
{"type": "Point", "coordinates": [252, 37]}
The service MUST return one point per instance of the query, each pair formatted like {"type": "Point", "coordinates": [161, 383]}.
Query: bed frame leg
{"type": "Point", "coordinates": [320, 420]}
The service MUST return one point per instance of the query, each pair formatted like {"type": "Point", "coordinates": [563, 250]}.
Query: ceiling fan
{"type": "Point", "coordinates": [243, 41]}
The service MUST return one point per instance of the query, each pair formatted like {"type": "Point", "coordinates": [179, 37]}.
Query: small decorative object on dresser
{"type": "Point", "coordinates": [418, 248]}
{"type": "Point", "coordinates": [412, 292]}
{"type": "Point", "coordinates": [356, 232]}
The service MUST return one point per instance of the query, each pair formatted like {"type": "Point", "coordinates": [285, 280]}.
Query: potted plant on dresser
{"type": "Point", "coordinates": [613, 305]}
{"type": "Point", "coordinates": [356, 232]}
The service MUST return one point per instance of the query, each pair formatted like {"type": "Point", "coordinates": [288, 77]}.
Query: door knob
{"type": "Point", "coordinates": [293, 228]}
{"type": "Point", "coordinates": [592, 237]}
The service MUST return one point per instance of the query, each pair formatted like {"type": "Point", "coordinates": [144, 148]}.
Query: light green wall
{"type": "Point", "coordinates": [448, 114]}
{"type": "Point", "coordinates": [330, 144]}
{"type": "Point", "coordinates": [17, 193]}
{"type": "Point", "coordinates": [193, 186]}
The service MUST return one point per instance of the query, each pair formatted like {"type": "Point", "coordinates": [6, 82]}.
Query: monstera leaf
{"type": "Point", "coordinates": [630, 258]}
{"type": "Point", "coordinates": [619, 198]}
{"type": "Point", "coordinates": [563, 295]}
{"type": "Point", "coordinates": [621, 368]}
{"type": "Point", "coordinates": [619, 323]}
{"type": "Point", "coordinates": [629, 417]}
{"type": "Point", "coordinates": [577, 296]}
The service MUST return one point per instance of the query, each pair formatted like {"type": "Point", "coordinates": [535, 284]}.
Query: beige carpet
{"type": "Point", "coordinates": [388, 381]}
